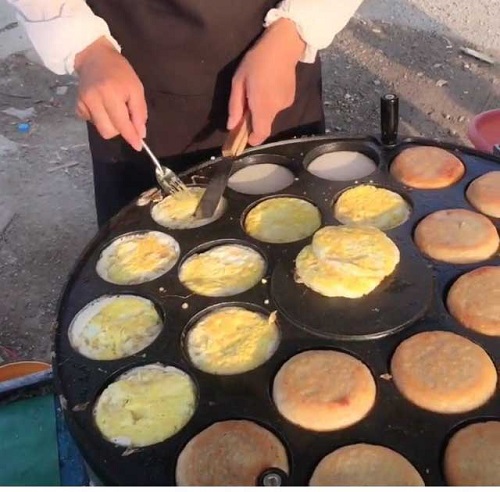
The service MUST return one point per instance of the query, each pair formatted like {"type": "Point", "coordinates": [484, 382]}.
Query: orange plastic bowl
{"type": "Point", "coordinates": [20, 369]}
{"type": "Point", "coordinates": [484, 130]}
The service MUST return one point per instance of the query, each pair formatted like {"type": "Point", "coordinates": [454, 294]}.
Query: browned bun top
{"type": "Point", "coordinates": [427, 168]}
{"type": "Point", "coordinates": [324, 390]}
{"type": "Point", "coordinates": [233, 452]}
{"type": "Point", "coordinates": [474, 300]}
{"type": "Point", "coordinates": [365, 465]}
{"type": "Point", "coordinates": [472, 456]}
{"type": "Point", "coordinates": [457, 236]}
{"type": "Point", "coordinates": [484, 194]}
{"type": "Point", "coordinates": [443, 372]}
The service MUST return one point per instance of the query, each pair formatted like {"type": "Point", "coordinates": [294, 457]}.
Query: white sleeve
{"type": "Point", "coordinates": [317, 21]}
{"type": "Point", "coordinates": [60, 29]}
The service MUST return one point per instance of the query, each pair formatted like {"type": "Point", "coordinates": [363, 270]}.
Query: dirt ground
{"type": "Point", "coordinates": [46, 200]}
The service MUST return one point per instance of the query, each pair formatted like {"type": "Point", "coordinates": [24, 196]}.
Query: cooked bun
{"type": "Point", "coordinates": [443, 372]}
{"type": "Point", "coordinates": [457, 236]}
{"type": "Point", "coordinates": [427, 168]}
{"type": "Point", "coordinates": [230, 453]}
{"type": "Point", "coordinates": [282, 220]}
{"type": "Point", "coordinates": [472, 457]}
{"type": "Point", "coordinates": [474, 300]}
{"type": "Point", "coordinates": [324, 390]}
{"type": "Point", "coordinates": [367, 205]}
{"type": "Point", "coordinates": [484, 194]}
{"type": "Point", "coordinates": [365, 465]}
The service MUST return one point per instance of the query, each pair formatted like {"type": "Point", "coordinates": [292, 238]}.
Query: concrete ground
{"type": "Point", "coordinates": [46, 203]}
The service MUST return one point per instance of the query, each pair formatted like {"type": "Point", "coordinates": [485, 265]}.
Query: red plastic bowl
{"type": "Point", "coordinates": [20, 369]}
{"type": "Point", "coordinates": [484, 130]}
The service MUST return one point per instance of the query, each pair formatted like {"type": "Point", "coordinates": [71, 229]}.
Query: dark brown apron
{"type": "Point", "coordinates": [186, 52]}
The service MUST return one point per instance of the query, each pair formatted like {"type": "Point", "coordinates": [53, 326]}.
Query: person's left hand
{"type": "Point", "coordinates": [265, 81]}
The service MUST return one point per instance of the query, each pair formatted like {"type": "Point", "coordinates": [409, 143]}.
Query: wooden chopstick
{"type": "Point", "coordinates": [237, 139]}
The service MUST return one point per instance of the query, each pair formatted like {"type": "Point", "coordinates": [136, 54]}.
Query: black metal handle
{"type": "Point", "coordinates": [389, 118]}
{"type": "Point", "coordinates": [272, 477]}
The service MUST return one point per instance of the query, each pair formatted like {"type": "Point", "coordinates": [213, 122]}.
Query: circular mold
{"type": "Point", "coordinates": [292, 219]}
{"type": "Point", "coordinates": [262, 174]}
{"type": "Point", "coordinates": [471, 453]}
{"type": "Point", "coordinates": [324, 390]}
{"type": "Point", "coordinates": [371, 205]}
{"type": "Point", "coordinates": [443, 372]}
{"type": "Point", "coordinates": [342, 161]}
{"type": "Point", "coordinates": [484, 194]}
{"type": "Point", "coordinates": [122, 271]}
{"type": "Point", "coordinates": [230, 453]}
{"type": "Point", "coordinates": [227, 276]}
{"type": "Point", "coordinates": [425, 167]}
{"type": "Point", "coordinates": [215, 340]}
{"type": "Point", "coordinates": [363, 464]}
{"type": "Point", "coordinates": [457, 236]}
{"type": "Point", "coordinates": [94, 338]}
{"type": "Point", "coordinates": [177, 211]}
{"type": "Point", "coordinates": [375, 315]}
{"type": "Point", "coordinates": [473, 300]}
{"type": "Point", "coordinates": [125, 409]}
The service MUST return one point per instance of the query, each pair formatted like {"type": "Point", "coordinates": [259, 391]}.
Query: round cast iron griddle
{"type": "Point", "coordinates": [411, 301]}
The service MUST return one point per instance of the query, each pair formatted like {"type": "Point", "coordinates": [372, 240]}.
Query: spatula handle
{"type": "Point", "coordinates": [237, 139]}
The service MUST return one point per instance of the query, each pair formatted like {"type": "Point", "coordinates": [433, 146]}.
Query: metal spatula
{"type": "Point", "coordinates": [169, 182]}
{"type": "Point", "coordinates": [234, 145]}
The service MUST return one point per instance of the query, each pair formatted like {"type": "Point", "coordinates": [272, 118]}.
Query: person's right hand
{"type": "Point", "coordinates": [110, 94]}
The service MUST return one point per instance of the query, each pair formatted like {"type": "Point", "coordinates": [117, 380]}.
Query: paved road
{"type": "Point", "coordinates": [477, 21]}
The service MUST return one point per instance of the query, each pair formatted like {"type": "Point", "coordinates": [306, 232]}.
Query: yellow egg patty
{"type": "Point", "coordinates": [232, 340]}
{"type": "Point", "coordinates": [356, 250]}
{"type": "Point", "coordinates": [345, 261]}
{"type": "Point", "coordinates": [282, 220]}
{"type": "Point", "coordinates": [137, 258]}
{"type": "Point", "coordinates": [177, 211]}
{"type": "Point", "coordinates": [330, 281]}
{"type": "Point", "coordinates": [224, 270]}
{"type": "Point", "coordinates": [115, 327]}
{"type": "Point", "coordinates": [368, 205]}
{"type": "Point", "coordinates": [145, 406]}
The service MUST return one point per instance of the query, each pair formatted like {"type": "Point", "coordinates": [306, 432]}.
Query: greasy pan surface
{"type": "Point", "coordinates": [410, 301]}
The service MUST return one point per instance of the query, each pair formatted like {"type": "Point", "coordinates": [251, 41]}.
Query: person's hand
{"type": "Point", "coordinates": [110, 94]}
{"type": "Point", "coordinates": [265, 81]}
